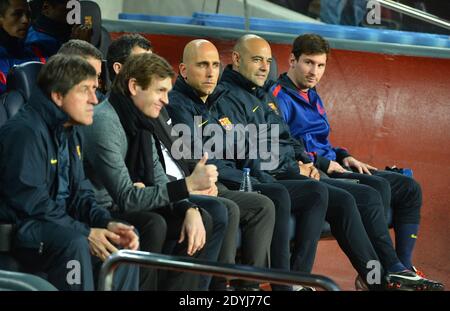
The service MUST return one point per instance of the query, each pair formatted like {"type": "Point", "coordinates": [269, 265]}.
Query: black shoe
{"type": "Point", "coordinates": [360, 285]}
{"type": "Point", "coordinates": [409, 281]}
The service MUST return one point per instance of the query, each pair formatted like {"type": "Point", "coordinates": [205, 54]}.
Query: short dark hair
{"type": "Point", "coordinates": [4, 5]}
{"type": "Point", "coordinates": [120, 49]}
{"type": "Point", "coordinates": [80, 48]}
{"type": "Point", "coordinates": [142, 67]}
{"type": "Point", "coordinates": [310, 44]}
{"type": "Point", "coordinates": [62, 72]}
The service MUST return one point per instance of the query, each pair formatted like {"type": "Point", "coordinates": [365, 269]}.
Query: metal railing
{"type": "Point", "coordinates": [407, 10]}
{"type": "Point", "coordinates": [206, 267]}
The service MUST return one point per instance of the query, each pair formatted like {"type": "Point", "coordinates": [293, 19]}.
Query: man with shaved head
{"type": "Point", "coordinates": [195, 94]}
{"type": "Point", "coordinates": [193, 90]}
{"type": "Point", "coordinates": [355, 212]}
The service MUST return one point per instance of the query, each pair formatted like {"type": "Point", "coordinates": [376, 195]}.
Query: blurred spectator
{"type": "Point", "coordinates": [50, 29]}
{"type": "Point", "coordinates": [14, 24]}
{"type": "Point", "coordinates": [343, 12]}
{"type": "Point", "coordinates": [301, 6]}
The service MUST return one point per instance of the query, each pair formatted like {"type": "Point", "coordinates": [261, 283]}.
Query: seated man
{"type": "Point", "coordinates": [122, 162]}
{"type": "Point", "coordinates": [50, 28]}
{"type": "Point", "coordinates": [14, 24]}
{"type": "Point", "coordinates": [43, 187]}
{"type": "Point", "coordinates": [307, 119]}
{"type": "Point", "coordinates": [352, 209]}
{"type": "Point", "coordinates": [195, 95]}
{"type": "Point", "coordinates": [88, 52]}
{"type": "Point", "coordinates": [302, 108]}
{"type": "Point", "coordinates": [257, 217]}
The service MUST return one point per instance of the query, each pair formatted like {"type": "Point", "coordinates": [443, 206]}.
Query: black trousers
{"type": "Point", "coordinates": [369, 212]}
{"type": "Point", "coordinates": [347, 220]}
{"type": "Point", "coordinates": [256, 218]}
{"type": "Point", "coordinates": [159, 231]}
{"type": "Point", "coordinates": [400, 192]}
{"type": "Point", "coordinates": [66, 260]}
{"type": "Point", "coordinates": [306, 200]}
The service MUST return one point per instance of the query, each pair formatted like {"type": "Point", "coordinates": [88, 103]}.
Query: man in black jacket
{"type": "Point", "coordinates": [357, 204]}
{"type": "Point", "coordinates": [14, 24]}
{"type": "Point", "coordinates": [43, 187]}
{"type": "Point", "coordinates": [50, 29]}
{"type": "Point", "coordinates": [261, 216]}
{"type": "Point", "coordinates": [256, 212]}
{"type": "Point", "coordinates": [195, 95]}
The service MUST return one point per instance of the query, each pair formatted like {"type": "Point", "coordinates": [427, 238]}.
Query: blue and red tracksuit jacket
{"type": "Point", "coordinates": [12, 52]}
{"type": "Point", "coordinates": [307, 121]}
{"type": "Point", "coordinates": [47, 36]}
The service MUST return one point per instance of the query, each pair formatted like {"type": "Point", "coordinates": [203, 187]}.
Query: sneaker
{"type": "Point", "coordinates": [300, 288]}
{"type": "Point", "coordinates": [418, 272]}
{"type": "Point", "coordinates": [409, 280]}
{"type": "Point", "coordinates": [360, 285]}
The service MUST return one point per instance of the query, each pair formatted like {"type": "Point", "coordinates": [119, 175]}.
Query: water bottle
{"type": "Point", "coordinates": [246, 184]}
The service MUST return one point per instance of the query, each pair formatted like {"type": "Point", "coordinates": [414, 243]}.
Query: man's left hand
{"type": "Point", "coordinates": [362, 167]}
{"type": "Point", "coordinates": [128, 238]}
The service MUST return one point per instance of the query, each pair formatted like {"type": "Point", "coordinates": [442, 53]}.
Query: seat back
{"type": "Point", "coordinates": [273, 74]}
{"type": "Point", "coordinates": [105, 41]}
{"type": "Point", "coordinates": [15, 281]}
{"type": "Point", "coordinates": [91, 15]}
{"type": "Point", "coordinates": [3, 114]}
{"type": "Point", "coordinates": [22, 78]}
{"type": "Point", "coordinates": [21, 81]}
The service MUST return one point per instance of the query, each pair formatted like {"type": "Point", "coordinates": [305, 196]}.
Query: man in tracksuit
{"type": "Point", "coordinates": [195, 94]}
{"type": "Point", "coordinates": [349, 202]}
{"type": "Point", "coordinates": [43, 189]}
{"type": "Point", "coordinates": [50, 28]}
{"type": "Point", "coordinates": [303, 110]}
{"type": "Point", "coordinates": [14, 24]}
{"type": "Point", "coordinates": [256, 212]}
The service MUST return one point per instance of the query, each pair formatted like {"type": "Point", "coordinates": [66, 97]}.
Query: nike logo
{"type": "Point", "coordinates": [256, 108]}
{"type": "Point", "coordinates": [201, 124]}
{"type": "Point", "coordinates": [53, 161]}
{"type": "Point", "coordinates": [412, 278]}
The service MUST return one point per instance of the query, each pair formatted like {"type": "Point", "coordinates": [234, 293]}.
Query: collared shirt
{"type": "Point", "coordinates": [172, 168]}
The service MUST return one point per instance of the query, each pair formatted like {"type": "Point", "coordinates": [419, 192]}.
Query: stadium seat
{"type": "Point", "coordinates": [22, 78]}
{"type": "Point", "coordinates": [273, 74]}
{"type": "Point", "coordinates": [91, 14]}
{"type": "Point", "coordinates": [15, 281]}
{"type": "Point", "coordinates": [21, 81]}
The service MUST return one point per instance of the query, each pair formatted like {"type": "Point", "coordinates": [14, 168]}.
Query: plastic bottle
{"type": "Point", "coordinates": [246, 184]}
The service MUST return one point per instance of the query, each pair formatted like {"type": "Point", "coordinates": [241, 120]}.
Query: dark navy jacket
{"type": "Point", "coordinates": [30, 174]}
{"type": "Point", "coordinates": [307, 121]}
{"type": "Point", "coordinates": [184, 104]}
{"type": "Point", "coordinates": [250, 104]}
{"type": "Point", "coordinates": [12, 52]}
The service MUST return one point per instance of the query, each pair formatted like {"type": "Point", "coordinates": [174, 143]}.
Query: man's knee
{"type": "Point", "coordinates": [413, 187]}
{"type": "Point", "coordinates": [155, 224]}
{"type": "Point", "coordinates": [233, 210]}
{"type": "Point", "coordinates": [317, 193]}
{"type": "Point", "coordinates": [266, 206]}
{"type": "Point", "coordinates": [381, 184]}
{"type": "Point", "coordinates": [77, 245]}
